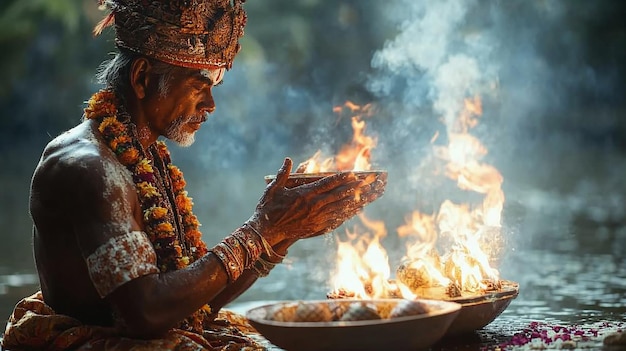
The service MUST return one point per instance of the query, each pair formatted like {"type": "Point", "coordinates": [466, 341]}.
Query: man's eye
{"type": "Point", "coordinates": [198, 85]}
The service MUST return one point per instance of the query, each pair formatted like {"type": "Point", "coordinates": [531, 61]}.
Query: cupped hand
{"type": "Point", "coordinates": [312, 209]}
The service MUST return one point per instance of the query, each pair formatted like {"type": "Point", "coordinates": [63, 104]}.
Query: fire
{"type": "Point", "coordinates": [353, 156]}
{"type": "Point", "coordinates": [363, 268]}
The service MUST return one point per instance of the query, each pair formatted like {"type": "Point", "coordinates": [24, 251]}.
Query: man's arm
{"type": "Point", "coordinates": [245, 281]}
{"type": "Point", "coordinates": [302, 212]}
{"type": "Point", "coordinates": [153, 304]}
{"type": "Point", "coordinates": [150, 303]}
{"type": "Point", "coordinates": [108, 229]}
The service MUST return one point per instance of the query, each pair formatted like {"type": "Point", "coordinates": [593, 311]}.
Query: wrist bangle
{"type": "Point", "coordinates": [252, 244]}
{"type": "Point", "coordinates": [266, 245]}
{"type": "Point", "coordinates": [229, 260]}
{"type": "Point", "coordinates": [263, 267]}
{"type": "Point", "coordinates": [238, 252]}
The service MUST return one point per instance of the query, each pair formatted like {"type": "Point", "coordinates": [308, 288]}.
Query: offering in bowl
{"type": "Point", "coordinates": [297, 179]}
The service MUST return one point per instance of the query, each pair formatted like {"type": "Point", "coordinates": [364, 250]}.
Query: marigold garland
{"type": "Point", "coordinates": [102, 106]}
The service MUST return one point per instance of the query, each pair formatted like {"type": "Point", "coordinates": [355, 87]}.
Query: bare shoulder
{"type": "Point", "coordinates": [80, 180]}
{"type": "Point", "coordinates": [79, 158]}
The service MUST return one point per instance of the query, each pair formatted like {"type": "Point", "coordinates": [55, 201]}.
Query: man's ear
{"type": "Point", "coordinates": [140, 77]}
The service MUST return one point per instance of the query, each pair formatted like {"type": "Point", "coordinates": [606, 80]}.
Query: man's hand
{"type": "Point", "coordinates": [311, 209]}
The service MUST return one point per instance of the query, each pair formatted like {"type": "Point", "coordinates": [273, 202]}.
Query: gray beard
{"type": "Point", "coordinates": [176, 132]}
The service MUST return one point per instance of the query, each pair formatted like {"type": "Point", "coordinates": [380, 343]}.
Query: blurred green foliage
{"type": "Point", "coordinates": [48, 56]}
{"type": "Point", "coordinates": [20, 22]}
{"type": "Point", "coordinates": [47, 49]}
{"type": "Point", "coordinates": [19, 18]}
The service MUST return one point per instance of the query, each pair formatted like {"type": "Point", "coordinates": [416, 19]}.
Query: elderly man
{"type": "Point", "coordinates": [120, 259]}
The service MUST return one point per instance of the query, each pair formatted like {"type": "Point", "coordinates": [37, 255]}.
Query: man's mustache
{"type": "Point", "coordinates": [197, 119]}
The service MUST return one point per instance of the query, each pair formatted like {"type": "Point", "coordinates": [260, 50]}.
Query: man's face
{"type": "Point", "coordinates": [180, 105]}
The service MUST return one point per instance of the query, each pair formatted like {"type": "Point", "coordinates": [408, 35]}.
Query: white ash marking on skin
{"type": "Point", "coordinates": [120, 260]}
{"type": "Point", "coordinates": [116, 179]}
{"type": "Point", "coordinates": [91, 136]}
{"type": "Point", "coordinates": [129, 254]}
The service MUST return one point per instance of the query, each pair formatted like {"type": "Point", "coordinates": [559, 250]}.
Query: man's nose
{"type": "Point", "coordinates": [208, 104]}
{"type": "Point", "coordinates": [210, 109]}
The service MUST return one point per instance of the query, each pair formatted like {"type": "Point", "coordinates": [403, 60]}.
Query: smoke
{"type": "Point", "coordinates": [439, 58]}
{"type": "Point", "coordinates": [528, 60]}
{"type": "Point", "coordinates": [424, 56]}
{"type": "Point", "coordinates": [531, 63]}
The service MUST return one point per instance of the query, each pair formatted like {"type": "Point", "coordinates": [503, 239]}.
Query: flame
{"type": "Point", "coordinates": [356, 155]}
{"type": "Point", "coordinates": [421, 253]}
{"type": "Point", "coordinates": [352, 156]}
{"type": "Point", "coordinates": [465, 264]}
{"type": "Point", "coordinates": [316, 164]}
{"type": "Point", "coordinates": [362, 262]}
{"type": "Point", "coordinates": [466, 231]}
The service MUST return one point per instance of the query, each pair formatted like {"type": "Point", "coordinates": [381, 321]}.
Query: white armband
{"type": "Point", "coordinates": [120, 260]}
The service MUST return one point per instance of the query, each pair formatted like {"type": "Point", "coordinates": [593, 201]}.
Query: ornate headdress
{"type": "Point", "coordinates": [200, 34]}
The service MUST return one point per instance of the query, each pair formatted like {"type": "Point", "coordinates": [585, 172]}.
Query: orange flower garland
{"type": "Point", "coordinates": [102, 106]}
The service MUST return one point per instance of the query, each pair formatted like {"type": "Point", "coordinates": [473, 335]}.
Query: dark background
{"type": "Point", "coordinates": [551, 74]}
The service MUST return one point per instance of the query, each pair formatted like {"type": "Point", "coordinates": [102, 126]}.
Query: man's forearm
{"type": "Point", "coordinates": [154, 303]}
{"type": "Point", "coordinates": [245, 281]}
{"type": "Point", "coordinates": [234, 290]}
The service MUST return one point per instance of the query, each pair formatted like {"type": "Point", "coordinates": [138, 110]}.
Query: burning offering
{"type": "Point", "coordinates": [349, 324]}
{"type": "Point", "coordinates": [449, 253]}
{"type": "Point", "coordinates": [297, 179]}
{"type": "Point", "coordinates": [353, 157]}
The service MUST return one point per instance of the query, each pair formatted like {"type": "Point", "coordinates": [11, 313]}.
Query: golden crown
{"type": "Point", "coordinates": [202, 34]}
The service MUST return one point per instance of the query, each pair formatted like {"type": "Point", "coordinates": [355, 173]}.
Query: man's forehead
{"type": "Point", "coordinates": [215, 75]}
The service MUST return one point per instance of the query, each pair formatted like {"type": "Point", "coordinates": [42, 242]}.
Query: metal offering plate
{"type": "Point", "coordinates": [354, 324]}
{"type": "Point", "coordinates": [480, 310]}
{"type": "Point", "coordinates": [297, 179]}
